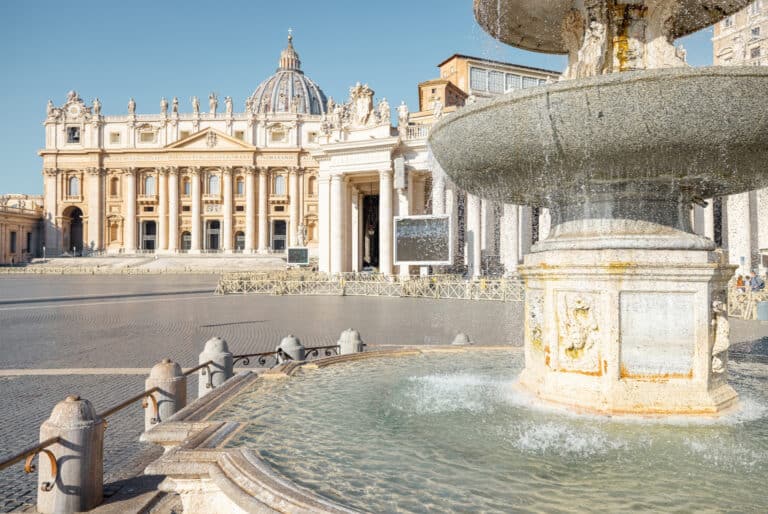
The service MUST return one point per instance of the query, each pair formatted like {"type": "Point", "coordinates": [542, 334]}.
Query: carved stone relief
{"type": "Point", "coordinates": [579, 332]}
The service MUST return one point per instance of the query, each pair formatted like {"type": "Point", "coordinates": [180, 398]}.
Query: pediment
{"type": "Point", "coordinates": [209, 139]}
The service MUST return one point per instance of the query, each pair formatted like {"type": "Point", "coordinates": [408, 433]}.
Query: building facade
{"type": "Point", "coordinates": [205, 181]}
{"type": "Point", "coordinates": [20, 228]}
{"type": "Point", "coordinates": [742, 40]}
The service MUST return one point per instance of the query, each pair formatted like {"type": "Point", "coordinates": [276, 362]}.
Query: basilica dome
{"type": "Point", "coordinates": [288, 90]}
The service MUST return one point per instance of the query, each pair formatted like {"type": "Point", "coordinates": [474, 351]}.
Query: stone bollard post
{"type": "Point", "coordinates": [350, 342]}
{"type": "Point", "coordinates": [172, 396]}
{"type": "Point", "coordinates": [462, 339]}
{"type": "Point", "coordinates": [293, 348]}
{"type": "Point", "coordinates": [79, 457]}
{"type": "Point", "coordinates": [222, 369]}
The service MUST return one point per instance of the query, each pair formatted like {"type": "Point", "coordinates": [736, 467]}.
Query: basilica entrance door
{"type": "Point", "coordinates": [148, 235]}
{"type": "Point", "coordinates": [279, 231]}
{"type": "Point", "coordinates": [371, 231]}
{"type": "Point", "coordinates": [213, 234]}
{"type": "Point", "coordinates": [75, 241]}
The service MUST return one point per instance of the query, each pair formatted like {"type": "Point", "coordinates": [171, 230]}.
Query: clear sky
{"type": "Point", "coordinates": [144, 49]}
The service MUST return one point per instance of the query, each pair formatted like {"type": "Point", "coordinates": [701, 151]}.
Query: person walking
{"type": "Point", "coordinates": [740, 284]}
{"type": "Point", "coordinates": [755, 282]}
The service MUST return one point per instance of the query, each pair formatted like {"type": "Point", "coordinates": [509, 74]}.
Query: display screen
{"type": "Point", "coordinates": [423, 240]}
{"type": "Point", "coordinates": [298, 256]}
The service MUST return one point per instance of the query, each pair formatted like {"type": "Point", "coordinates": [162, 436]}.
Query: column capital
{"type": "Point", "coordinates": [226, 171]}
{"type": "Point", "coordinates": [249, 170]}
{"type": "Point", "coordinates": [129, 171]}
{"type": "Point", "coordinates": [51, 172]}
{"type": "Point", "coordinates": [162, 170]}
{"type": "Point", "coordinates": [95, 171]}
{"type": "Point", "coordinates": [173, 170]}
{"type": "Point", "coordinates": [337, 178]}
{"type": "Point", "coordinates": [386, 171]}
{"type": "Point", "coordinates": [194, 170]}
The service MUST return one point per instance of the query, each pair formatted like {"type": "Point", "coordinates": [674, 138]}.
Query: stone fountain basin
{"type": "Point", "coordinates": [537, 25]}
{"type": "Point", "coordinates": [703, 131]}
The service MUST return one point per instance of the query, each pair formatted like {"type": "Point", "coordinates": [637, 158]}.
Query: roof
{"type": "Point", "coordinates": [491, 61]}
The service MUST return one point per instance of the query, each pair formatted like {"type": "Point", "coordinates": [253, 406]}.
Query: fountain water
{"type": "Point", "coordinates": [624, 302]}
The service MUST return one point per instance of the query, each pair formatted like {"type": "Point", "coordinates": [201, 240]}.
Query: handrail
{"type": "Point", "coordinates": [207, 366]}
{"type": "Point", "coordinates": [308, 352]}
{"type": "Point", "coordinates": [28, 455]}
{"type": "Point", "coordinates": [143, 397]}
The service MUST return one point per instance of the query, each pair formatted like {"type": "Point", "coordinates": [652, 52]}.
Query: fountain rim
{"type": "Point", "coordinates": [597, 81]}
{"type": "Point", "coordinates": [553, 44]}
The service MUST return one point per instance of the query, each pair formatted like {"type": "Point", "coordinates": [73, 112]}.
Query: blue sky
{"type": "Point", "coordinates": [149, 49]}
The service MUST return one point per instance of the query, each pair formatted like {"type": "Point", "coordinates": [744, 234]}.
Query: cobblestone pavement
{"type": "Point", "coordinates": [69, 322]}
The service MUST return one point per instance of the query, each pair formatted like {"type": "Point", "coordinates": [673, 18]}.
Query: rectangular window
{"type": "Point", "coordinates": [279, 208]}
{"type": "Point", "coordinates": [530, 82]}
{"type": "Point", "coordinates": [754, 53]}
{"type": "Point", "coordinates": [147, 137]}
{"type": "Point", "coordinates": [240, 208]}
{"type": "Point", "coordinates": [114, 138]}
{"type": "Point", "coordinates": [478, 79]}
{"type": "Point", "coordinates": [149, 209]}
{"type": "Point", "coordinates": [496, 82]}
{"type": "Point", "coordinates": [240, 188]}
{"type": "Point", "coordinates": [728, 22]}
{"type": "Point", "coordinates": [756, 32]}
{"type": "Point", "coordinates": [13, 242]}
{"type": "Point", "coordinates": [186, 208]}
{"type": "Point", "coordinates": [240, 134]}
{"type": "Point", "coordinates": [187, 188]}
{"type": "Point", "coordinates": [513, 82]}
{"type": "Point", "coordinates": [29, 242]}
{"type": "Point", "coordinates": [73, 134]}
{"type": "Point", "coordinates": [754, 8]}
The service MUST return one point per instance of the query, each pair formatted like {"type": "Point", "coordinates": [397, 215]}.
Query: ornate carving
{"type": "Point", "coordinates": [213, 103]}
{"type": "Point", "coordinates": [195, 105]}
{"type": "Point", "coordinates": [361, 102]}
{"type": "Point", "coordinates": [175, 105]}
{"type": "Point", "coordinates": [228, 105]}
{"type": "Point", "coordinates": [131, 106]}
{"type": "Point", "coordinates": [211, 139]}
{"type": "Point", "coordinates": [573, 37]}
{"type": "Point", "coordinates": [535, 320]}
{"type": "Point", "coordinates": [96, 106]}
{"type": "Point", "coordinates": [384, 112]}
{"type": "Point", "coordinates": [578, 332]}
{"type": "Point", "coordinates": [163, 106]}
{"type": "Point", "coordinates": [403, 115]}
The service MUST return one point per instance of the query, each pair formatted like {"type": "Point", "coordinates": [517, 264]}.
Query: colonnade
{"type": "Point", "coordinates": [167, 205]}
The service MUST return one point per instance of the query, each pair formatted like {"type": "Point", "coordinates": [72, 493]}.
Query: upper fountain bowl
{"type": "Point", "coordinates": [702, 131]}
{"type": "Point", "coordinates": [538, 25]}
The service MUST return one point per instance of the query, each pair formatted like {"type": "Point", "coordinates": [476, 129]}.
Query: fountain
{"type": "Point", "coordinates": [623, 301]}
{"type": "Point", "coordinates": [624, 312]}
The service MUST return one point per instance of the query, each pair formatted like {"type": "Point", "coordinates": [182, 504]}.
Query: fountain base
{"type": "Point", "coordinates": [628, 331]}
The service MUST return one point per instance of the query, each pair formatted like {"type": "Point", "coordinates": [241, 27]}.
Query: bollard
{"type": "Point", "coordinates": [350, 342]}
{"type": "Point", "coordinates": [172, 396]}
{"type": "Point", "coordinates": [292, 347]}
{"type": "Point", "coordinates": [221, 370]}
{"type": "Point", "coordinates": [462, 339]}
{"type": "Point", "coordinates": [79, 456]}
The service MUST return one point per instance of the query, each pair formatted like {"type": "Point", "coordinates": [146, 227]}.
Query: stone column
{"type": "Point", "coordinates": [263, 216]}
{"type": "Point", "coordinates": [355, 204]}
{"type": "Point", "coordinates": [324, 221]}
{"type": "Point", "coordinates": [510, 239]}
{"type": "Point", "coordinates": [761, 222]}
{"type": "Point", "coordinates": [162, 210]}
{"type": "Point", "coordinates": [173, 209]}
{"type": "Point", "coordinates": [474, 238]}
{"type": "Point", "coordinates": [739, 232]}
{"type": "Point", "coordinates": [221, 368]}
{"type": "Point", "coordinates": [452, 209]}
{"type": "Point", "coordinates": [545, 223]}
{"type": "Point", "coordinates": [526, 230]}
{"type": "Point", "coordinates": [385, 222]}
{"type": "Point", "coordinates": [95, 213]}
{"type": "Point", "coordinates": [488, 229]}
{"type": "Point", "coordinates": [228, 210]}
{"type": "Point", "coordinates": [337, 224]}
{"type": "Point", "coordinates": [293, 213]}
{"type": "Point", "coordinates": [51, 231]}
{"type": "Point", "coordinates": [129, 227]}
{"type": "Point", "coordinates": [197, 205]}
{"type": "Point", "coordinates": [417, 196]}
{"type": "Point", "coordinates": [172, 396]}
{"type": "Point", "coordinates": [438, 192]}
{"type": "Point", "coordinates": [403, 209]}
{"type": "Point", "coordinates": [250, 209]}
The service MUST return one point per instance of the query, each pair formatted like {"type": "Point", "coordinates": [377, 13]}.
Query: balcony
{"type": "Point", "coordinates": [416, 132]}
{"type": "Point", "coordinates": [145, 199]}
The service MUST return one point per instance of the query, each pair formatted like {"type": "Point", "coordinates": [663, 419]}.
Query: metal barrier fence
{"type": "Point", "coordinates": [449, 287]}
{"type": "Point", "coordinates": [743, 303]}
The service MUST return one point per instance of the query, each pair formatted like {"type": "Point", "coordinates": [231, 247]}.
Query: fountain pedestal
{"type": "Point", "coordinates": [625, 331]}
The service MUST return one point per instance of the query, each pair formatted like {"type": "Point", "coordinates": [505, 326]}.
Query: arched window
{"type": "Point", "coordinates": [149, 186]}
{"type": "Point", "coordinates": [280, 185]}
{"type": "Point", "coordinates": [312, 186]}
{"type": "Point", "coordinates": [114, 187]}
{"type": "Point", "coordinates": [73, 187]}
{"type": "Point", "coordinates": [213, 185]}
{"type": "Point", "coordinates": [186, 187]}
{"type": "Point", "coordinates": [240, 187]}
